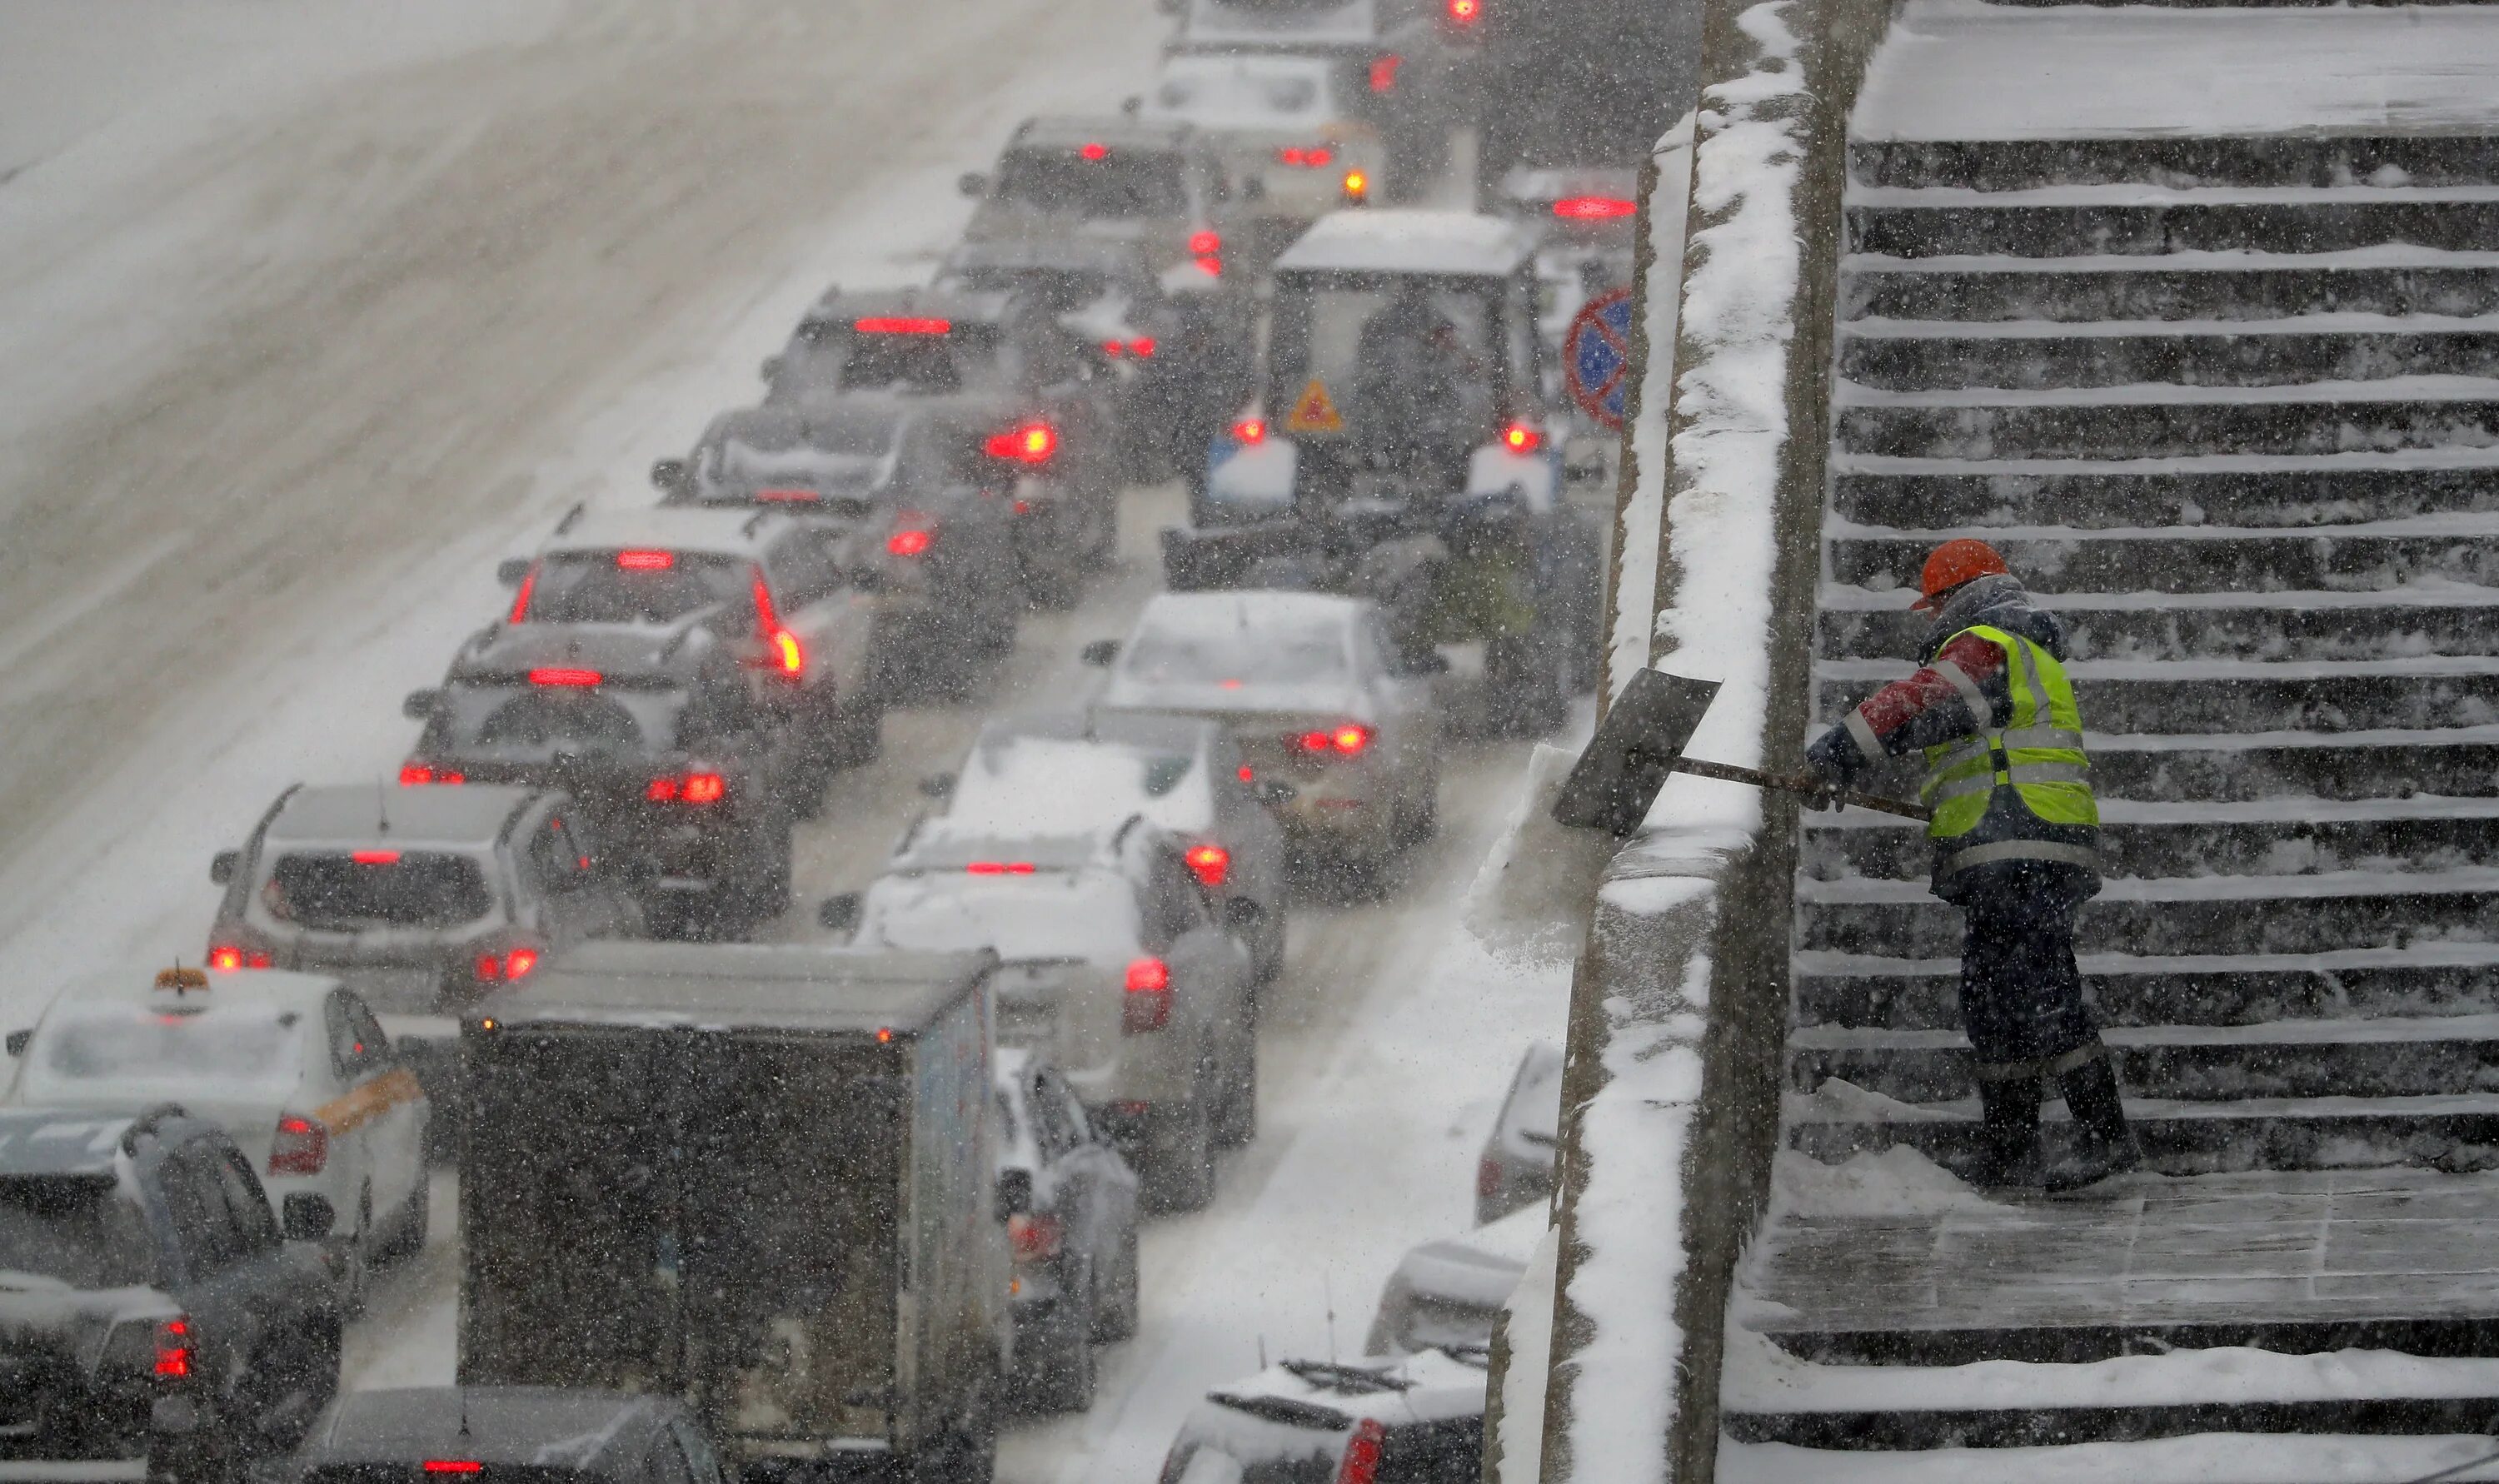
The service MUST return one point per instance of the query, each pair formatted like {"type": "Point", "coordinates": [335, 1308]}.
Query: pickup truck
{"type": "Point", "coordinates": [759, 1178]}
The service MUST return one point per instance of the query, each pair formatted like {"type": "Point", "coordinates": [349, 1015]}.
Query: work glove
{"type": "Point", "coordinates": [1834, 757]}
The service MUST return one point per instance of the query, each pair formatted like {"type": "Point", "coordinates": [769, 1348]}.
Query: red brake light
{"type": "Point", "coordinates": [558, 675]}
{"type": "Point", "coordinates": [786, 651]}
{"type": "Point", "coordinates": [1522, 437]}
{"type": "Point", "coordinates": [1033, 1238]}
{"type": "Point", "coordinates": [521, 599]}
{"type": "Point", "coordinates": [173, 1348]}
{"type": "Point", "coordinates": [907, 542]}
{"type": "Point", "coordinates": [373, 858]}
{"type": "Point", "coordinates": [1147, 1004]}
{"type": "Point", "coordinates": [1142, 347]}
{"type": "Point", "coordinates": [1488, 1177]}
{"type": "Point", "coordinates": [518, 963]}
{"type": "Point", "coordinates": [1000, 868]}
{"type": "Point", "coordinates": [453, 1465]}
{"type": "Point", "coordinates": [787, 496]}
{"type": "Point", "coordinates": [1115, 349]}
{"type": "Point", "coordinates": [1249, 774]}
{"type": "Point", "coordinates": [1466, 12]}
{"type": "Point", "coordinates": [1213, 863]}
{"type": "Point", "coordinates": [1030, 442]}
{"type": "Point", "coordinates": [661, 789]}
{"type": "Point", "coordinates": [1094, 150]}
{"type": "Point", "coordinates": [902, 324]}
{"type": "Point", "coordinates": [225, 957]}
{"type": "Point", "coordinates": [1292, 154]}
{"type": "Point", "coordinates": [1209, 265]}
{"type": "Point", "coordinates": [646, 560]}
{"type": "Point", "coordinates": [1593, 207]}
{"type": "Point", "coordinates": [1249, 431]}
{"type": "Point", "coordinates": [1149, 976]}
{"type": "Point", "coordinates": [704, 789]}
{"type": "Point", "coordinates": [1384, 72]}
{"type": "Point", "coordinates": [1205, 243]}
{"type": "Point", "coordinates": [1361, 1465]}
{"type": "Point", "coordinates": [1350, 738]}
{"type": "Point", "coordinates": [302, 1147]}
{"type": "Point", "coordinates": [412, 774]}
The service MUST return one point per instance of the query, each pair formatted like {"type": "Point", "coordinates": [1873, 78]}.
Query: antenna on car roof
{"type": "Point", "coordinates": [381, 807]}
{"type": "Point", "coordinates": [570, 516]}
{"type": "Point", "coordinates": [1327, 1293]}
{"type": "Point", "coordinates": [462, 1392]}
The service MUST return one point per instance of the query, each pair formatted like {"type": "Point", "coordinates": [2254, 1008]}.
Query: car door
{"type": "Point", "coordinates": [1108, 1187]}
{"type": "Point", "coordinates": [832, 620]}
{"type": "Point", "coordinates": [248, 1306]}
{"type": "Point", "coordinates": [396, 1111]}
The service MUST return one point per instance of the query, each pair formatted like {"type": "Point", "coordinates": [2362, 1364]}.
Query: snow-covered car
{"type": "Point", "coordinates": [422, 901]}
{"type": "Point", "coordinates": [1071, 1212]}
{"type": "Point", "coordinates": [1516, 1167]}
{"type": "Point", "coordinates": [294, 1066]}
{"type": "Point", "coordinates": [933, 535]}
{"type": "Point", "coordinates": [1339, 733]}
{"type": "Point", "coordinates": [1291, 146]}
{"type": "Point", "coordinates": [1115, 967]}
{"type": "Point", "coordinates": [1158, 185]}
{"type": "Point", "coordinates": [1174, 345]}
{"type": "Point", "coordinates": [504, 1434]}
{"type": "Point", "coordinates": [1410, 1419]}
{"type": "Point", "coordinates": [1060, 773]}
{"type": "Point", "coordinates": [1035, 392]}
{"type": "Point", "coordinates": [1449, 1291]}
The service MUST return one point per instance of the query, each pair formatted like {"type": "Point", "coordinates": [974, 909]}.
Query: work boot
{"type": "Point", "coordinates": [2008, 1134]}
{"type": "Point", "coordinates": [2103, 1143]}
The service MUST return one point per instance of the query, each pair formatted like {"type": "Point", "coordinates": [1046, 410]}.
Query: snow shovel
{"type": "Point", "coordinates": [1643, 740]}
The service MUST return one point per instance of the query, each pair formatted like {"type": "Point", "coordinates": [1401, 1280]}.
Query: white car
{"type": "Point", "coordinates": [1449, 1292]}
{"type": "Point", "coordinates": [1291, 148]}
{"type": "Point", "coordinates": [293, 1065]}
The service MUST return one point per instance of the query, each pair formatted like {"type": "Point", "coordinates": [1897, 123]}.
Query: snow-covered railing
{"type": "Point", "coordinates": [1679, 998]}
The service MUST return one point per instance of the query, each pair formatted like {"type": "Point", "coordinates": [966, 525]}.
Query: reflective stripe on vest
{"type": "Point", "coordinates": [2039, 752]}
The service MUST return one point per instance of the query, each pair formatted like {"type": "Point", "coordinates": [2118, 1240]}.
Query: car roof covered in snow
{"type": "Point", "coordinates": [62, 1140]}
{"type": "Point", "coordinates": [1476, 1268]}
{"type": "Point", "coordinates": [1457, 243]}
{"type": "Point", "coordinates": [373, 814]}
{"type": "Point", "coordinates": [1080, 772]}
{"type": "Point", "coordinates": [705, 529]}
{"type": "Point", "coordinates": [1117, 131]}
{"type": "Point", "coordinates": [545, 1425]}
{"type": "Point", "coordinates": [794, 987]}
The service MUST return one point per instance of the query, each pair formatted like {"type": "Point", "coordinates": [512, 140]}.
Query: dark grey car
{"type": "Point", "coordinates": [1070, 1202]}
{"type": "Point", "coordinates": [1516, 1167]}
{"type": "Point", "coordinates": [508, 1435]}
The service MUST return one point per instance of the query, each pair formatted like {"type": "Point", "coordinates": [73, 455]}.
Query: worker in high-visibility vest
{"type": "Point", "coordinates": [2015, 836]}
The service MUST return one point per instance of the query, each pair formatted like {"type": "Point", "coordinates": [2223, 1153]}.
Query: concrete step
{"type": "Point", "coordinates": [2208, 489]}
{"type": "Point", "coordinates": [2455, 762]}
{"type": "Point", "coordinates": [2391, 280]}
{"type": "Point", "coordinates": [2191, 837]}
{"type": "Point", "coordinates": [2387, 1057]}
{"type": "Point", "coordinates": [2174, 162]}
{"type": "Point", "coordinates": [1864, 623]}
{"type": "Point", "coordinates": [2138, 990]}
{"type": "Point", "coordinates": [2190, 562]}
{"type": "Point", "coordinates": [2156, 421]}
{"type": "Point", "coordinates": [2178, 914]}
{"type": "Point", "coordinates": [2328, 1457]}
{"type": "Point", "coordinates": [2229, 695]}
{"type": "Point", "coordinates": [2143, 221]}
{"type": "Point", "coordinates": [1911, 355]}
{"type": "Point", "coordinates": [2454, 1132]}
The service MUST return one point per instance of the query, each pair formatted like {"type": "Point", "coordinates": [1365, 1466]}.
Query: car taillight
{"type": "Point", "coordinates": [789, 497]}
{"type": "Point", "coordinates": [1147, 1006]}
{"type": "Point", "coordinates": [781, 651]}
{"type": "Point", "coordinates": [1205, 243]}
{"type": "Point", "coordinates": [911, 541]}
{"type": "Point", "coordinates": [521, 599]}
{"type": "Point", "coordinates": [686, 788]}
{"type": "Point", "coordinates": [1094, 150]}
{"type": "Point", "coordinates": [1033, 1238]}
{"type": "Point", "coordinates": [373, 858]}
{"type": "Point", "coordinates": [998, 868]}
{"type": "Point", "coordinates": [1209, 265]}
{"type": "Point", "coordinates": [414, 774]}
{"type": "Point", "coordinates": [1384, 72]}
{"type": "Point", "coordinates": [453, 1465]}
{"type": "Point", "coordinates": [646, 560]}
{"type": "Point", "coordinates": [302, 1147]}
{"type": "Point", "coordinates": [1213, 863]}
{"type": "Point", "coordinates": [1346, 740]}
{"type": "Point", "coordinates": [902, 324]}
{"type": "Point", "coordinates": [1142, 348]}
{"type": "Point", "coordinates": [1593, 207]}
{"type": "Point", "coordinates": [1522, 437]}
{"type": "Point", "coordinates": [1310, 155]}
{"type": "Point", "coordinates": [228, 957]}
{"type": "Point", "coordinates": [1361, 1464]}
{"type": "Point", "coordinates": [1357, 186]}
{"type": "Point", "coordinates": [508, 969]}
{"type": "Point", "coordinates": [1031, 442]}
{"type": "Point", "coordinates": [174, 1348]}
{"type": "Point", "coordinates": [1488, 1177]}
{"type": "Point", "coordinates": [1466, 12]}
{"type": "Point", "coordinates": [1250, 432]}
{"type": "Point", "coordinates": [565, 676]}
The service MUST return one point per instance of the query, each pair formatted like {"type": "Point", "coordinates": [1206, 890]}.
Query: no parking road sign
{"type": "Point", "coordinates": [1597, 355]}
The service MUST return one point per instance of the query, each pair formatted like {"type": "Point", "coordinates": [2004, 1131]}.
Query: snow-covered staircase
{"type": "Point", "coordinates": [2230, 405]}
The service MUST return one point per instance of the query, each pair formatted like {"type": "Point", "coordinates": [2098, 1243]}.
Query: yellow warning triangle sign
{"type": "Point", "coordinates": [1315, 412]}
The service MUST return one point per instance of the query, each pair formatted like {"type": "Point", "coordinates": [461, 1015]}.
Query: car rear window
{"type": "Point", "coordinates": [1121, 184]}
{"type": "Point", "coordinates": [539, 722]}
{"type": "Point", "coordinates": [222, 1046]}
{"type": "Point", "coordinates": [1045, 915]}
{"type": "Point", "coordinates": [636, 587]}
{"type": "Point", "coordinates": [1241, 93]}
{"type": "Point", "coordinates": [82, 1230]}
{"type": "Point", "coordinates": [376, 888]}
{"type": "Point", "coordinates": [1270, 653]}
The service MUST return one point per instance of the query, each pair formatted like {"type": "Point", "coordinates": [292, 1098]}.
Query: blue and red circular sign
{"type": "Point", "coordinates": [1597, 355]}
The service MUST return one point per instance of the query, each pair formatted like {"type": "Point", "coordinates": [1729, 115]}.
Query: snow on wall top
{"type": "Point", "coordinates": [1968, 70]}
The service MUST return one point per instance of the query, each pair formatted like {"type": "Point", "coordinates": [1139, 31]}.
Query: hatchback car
{"type": "Point", "coordinates": [1115, 967]}
{"type": "Point", "coordinates": [1291, 142]}
{"type": "Point", "coordinates": [508, 1435]}
{"type": "Point", "coordinates": [1337, 728]}
{"type": "Point", "coordinates": [1415, 1419]}
{"type": "Point", "coordinates": [1516, 1167]}
{"type": "Point", "coordinates": [161, 1323]}
{"type": "Point", "coordinates": [1071, 1213]}
{"type": "Point", "coordinates": [293, 1066]}
{"type": "Point", "coordinates": [1063, 773]}
{"type": "Point", "coordinates": [1159, 184]}
{"type": "Point", "coordinates": [1450, 1291]}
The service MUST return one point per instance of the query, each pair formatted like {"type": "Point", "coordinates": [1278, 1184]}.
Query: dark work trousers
{"type": "Point", "coordinates": [2021, 991]}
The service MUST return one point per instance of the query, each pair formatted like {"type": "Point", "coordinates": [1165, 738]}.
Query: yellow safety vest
{"type": "Point", "coordinates": [2022, 793]}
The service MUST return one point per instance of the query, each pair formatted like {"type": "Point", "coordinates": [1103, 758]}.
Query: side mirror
{"type": "Point", "coordinates": [18, 1040]}
{"type": "Point", "coordinates": [668, 477]}
{"type": "Point", "coordinates": [306, 1217]}
{"type": "Point", "coordinates": [1131, 105]}
{"type": "Point", "coordinates": [511, 569]}
{"type": "Point", "coordinates": [1101, 652]}
{"type": "Point", "coordinates": [221, 866]}
{"type": "Point", "coordinates": [770, 370]}
{"type": "Point", "coordinates": [418, 705]}
{"type": "Point", "coordinates": [1015, 1193]}
{"type": "Point", "coordinates": [937, 786]}
{"type": "Point", "coordinates": [839, 913]}
{"type": "Point", "coordinates": [972, 184]}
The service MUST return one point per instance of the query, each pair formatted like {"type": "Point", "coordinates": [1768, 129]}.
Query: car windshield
{"type": "Point", "coordinates": [1094, 182]}
{"type": "Point", "coordinates": [1046, 915]}
{"type": "Point", "coordinates": [1244, 93]}
{"type": "Point", "coordinates": [1269, 651]}
{"type": "Point", "coordinates": [81, 1231]}
{"type": "Point", "coordinates": [224, 1046]}
{"type": "Point", "coordinates": [337, 889]}
{"type": "Point", "coordinates": [635, 587]}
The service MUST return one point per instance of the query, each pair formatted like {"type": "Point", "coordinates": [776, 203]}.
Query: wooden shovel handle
{"type": "Point", "coordinates": [1795, 782]}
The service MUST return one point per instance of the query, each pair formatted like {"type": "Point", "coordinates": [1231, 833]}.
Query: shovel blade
{"type": "Point", "coordinates": [1626, 762]}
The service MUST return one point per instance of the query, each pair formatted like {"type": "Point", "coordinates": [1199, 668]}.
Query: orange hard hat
{"type": "Point", "coordinates": [1953, 564]}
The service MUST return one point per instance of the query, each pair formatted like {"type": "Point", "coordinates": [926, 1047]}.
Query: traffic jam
{"type": "Point", "coordinates": [753, 1184]}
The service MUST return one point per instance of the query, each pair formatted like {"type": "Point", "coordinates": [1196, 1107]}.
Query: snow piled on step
{"type": "Point", "coordinates": [2205, 1458]}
